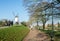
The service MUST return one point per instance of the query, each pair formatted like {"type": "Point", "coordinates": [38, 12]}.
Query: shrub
{"type": "Point", "coordinates": [24, 23]}
{"type": "Point", "coordinates": [57, 34]}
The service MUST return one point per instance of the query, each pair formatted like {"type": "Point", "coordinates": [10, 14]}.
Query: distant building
{"type": "Point", "coordinates": [16, 20]}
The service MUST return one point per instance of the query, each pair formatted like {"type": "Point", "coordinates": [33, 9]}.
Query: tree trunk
{"type": "Point", "coordinates": [43, 25]}
{"type": "Point", "coordinates": [37, 23]}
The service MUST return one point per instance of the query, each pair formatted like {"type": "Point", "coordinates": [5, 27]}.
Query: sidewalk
{"type": "Point", "coordinates": [36, 35]}
{"type": "Point", "coordinates": [4, 27]}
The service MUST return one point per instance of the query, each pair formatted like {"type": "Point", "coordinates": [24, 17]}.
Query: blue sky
{"type": "Point", "coordinates": [7, 7]}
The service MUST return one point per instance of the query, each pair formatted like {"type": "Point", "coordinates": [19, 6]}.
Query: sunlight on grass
{"type": "Point", "coordinates": [15, 33]}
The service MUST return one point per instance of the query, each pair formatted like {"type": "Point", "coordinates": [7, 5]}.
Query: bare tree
{"type": "Point", "coordinates": [35, 8]}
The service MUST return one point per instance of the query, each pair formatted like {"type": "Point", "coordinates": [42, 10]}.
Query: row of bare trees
{"type": "Point", "coordinates": [41, 11]}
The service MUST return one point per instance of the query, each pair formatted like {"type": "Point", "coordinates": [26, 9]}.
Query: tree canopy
{"type": "Point", "coordinates": [40, 10]}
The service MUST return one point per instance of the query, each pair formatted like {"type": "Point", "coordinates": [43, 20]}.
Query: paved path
{"type": "Point", "coordinates": [36, 35]}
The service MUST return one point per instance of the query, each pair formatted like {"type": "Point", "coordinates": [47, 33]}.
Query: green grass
{"type": "Point", "coordinates": [56, 34]}
{"type": "Point", "coordinates": [15, 33]}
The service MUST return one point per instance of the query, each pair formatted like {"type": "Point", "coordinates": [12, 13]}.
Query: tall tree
{"type": "Point", "coordinates": [58, 1]}
{"type": "Point", "coordinates": [35, 8]}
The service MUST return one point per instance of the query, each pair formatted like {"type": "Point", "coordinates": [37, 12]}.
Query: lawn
{"type": "Point", "coordinates": [56, 34]}
{"type": "Point", "coordinates": [13, 33]}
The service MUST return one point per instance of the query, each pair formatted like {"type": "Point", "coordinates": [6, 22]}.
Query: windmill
{"type": "Point", "coordinates": [16, 19]}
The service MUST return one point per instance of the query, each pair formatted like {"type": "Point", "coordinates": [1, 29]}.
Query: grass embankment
{"type": "Point", "coordinates": [55, 33]}
{"type": "Point", "coordinates": [15, 33]}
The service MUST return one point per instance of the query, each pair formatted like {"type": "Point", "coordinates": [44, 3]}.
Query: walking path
{"type": "Point", "coordinates": [36, 35]}
{"type": "Point", "coordinates": [4, 27]}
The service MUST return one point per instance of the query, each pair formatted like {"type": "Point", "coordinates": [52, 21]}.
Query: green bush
{"type": "Point", "coordinates": [15, 33]}
{"type": "Point", "coordinates": [24, 23]}
{"type": "Point", "coordinates": [57, 34]}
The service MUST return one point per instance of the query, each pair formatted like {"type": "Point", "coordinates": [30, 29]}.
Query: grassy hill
{"type": "Point", "coordinates": [14, 33]}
